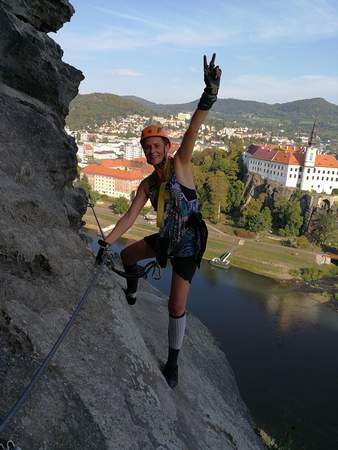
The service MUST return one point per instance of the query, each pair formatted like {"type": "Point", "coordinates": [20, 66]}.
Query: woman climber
{"type": "Point", "coordinates": [182, 234]}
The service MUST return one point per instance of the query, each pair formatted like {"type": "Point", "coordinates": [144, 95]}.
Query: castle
{"type": "Point", "coordinates": [294, 167]}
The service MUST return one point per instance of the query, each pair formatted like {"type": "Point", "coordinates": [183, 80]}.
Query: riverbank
{"type": "Point", "coordinates": [269, 259]}
{"type": "Point", "coordinates": [324, 291]}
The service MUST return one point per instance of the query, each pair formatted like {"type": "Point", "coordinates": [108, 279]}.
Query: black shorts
{"type": "Point", "coordinates": [184, 266]}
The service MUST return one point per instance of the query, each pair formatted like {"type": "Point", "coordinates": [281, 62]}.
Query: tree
{"type": "Point", "coordinates": [216, 178]}
{"type": "Point", "coordinates": [235, 195]}
{"type": "Point", "coordinates": [216, 189]}
{"type": "Point", "coordinates": [147, 209]}
{"type": "Point", "coordinates": [325, 229]}
{"type": "Point", "coordinates": [303, 242]}
{"type": "Point", "coordinates": [206, 210]}
{"type": "Point", "coordinates": [287, 217]}
{"type": "Point", "coordinates": [83, 183]}
{"type": "Point", "coordinates": [199, 178]}
{"type": "Point", "coordinates": [254, 218]}
{"type": "Point", "coordinates": [130, 133]}
{"type": "Point", "coordinates": [230, 169]}
{"type": "Point", "coordinates": [265, 220]}
{"type": "Point", "coordinates": [120, 205]}
{"type": "Point", "coordinates": [206, 164]}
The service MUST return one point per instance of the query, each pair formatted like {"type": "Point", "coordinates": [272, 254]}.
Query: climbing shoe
{"type": "Point", "coordinates": [131, 298]}
{"type": "Point", "coordinates": [170, 373]}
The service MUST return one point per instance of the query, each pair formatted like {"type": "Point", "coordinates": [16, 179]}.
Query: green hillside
{"type": "Point", "coordinates": [298, 116]}
{"type": "Point", "coordinates": [94, 109]}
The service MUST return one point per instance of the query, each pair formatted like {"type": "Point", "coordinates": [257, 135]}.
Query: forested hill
{"type": "Point", "coordinates": [90, 109]}
{"type": "Point", "coordinates": [94, 109]}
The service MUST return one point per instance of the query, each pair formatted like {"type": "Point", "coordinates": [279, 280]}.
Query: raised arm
{"type": "Point", "coordinates": [130, 216]}
{"type": "Point", "coordinates": [212, 77]}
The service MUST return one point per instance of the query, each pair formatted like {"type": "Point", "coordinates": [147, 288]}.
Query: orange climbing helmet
{"type": "Point", "coordinates": [154, 131]}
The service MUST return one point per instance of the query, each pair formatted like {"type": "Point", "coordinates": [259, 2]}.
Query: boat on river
{"type": "Point", "coordinates": [222, 261]}
{"type": "Point", "coordinates": [106, 230]}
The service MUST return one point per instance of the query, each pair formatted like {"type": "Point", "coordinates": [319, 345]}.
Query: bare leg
{"type": "Point", "coordinates": [136, 252]}
{"type": "Point", "coordinates": [176, 330]}
{"type": "Point", "coordinates": [178, 295]}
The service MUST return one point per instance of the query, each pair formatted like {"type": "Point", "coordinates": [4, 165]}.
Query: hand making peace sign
{"type": "Point", "coordinates": [212, 75]}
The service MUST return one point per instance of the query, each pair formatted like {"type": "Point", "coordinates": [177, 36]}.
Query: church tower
{"type": "Point", "coordinates": [309, 162]}
{"type": "Point", "coordinates": [310, 157]}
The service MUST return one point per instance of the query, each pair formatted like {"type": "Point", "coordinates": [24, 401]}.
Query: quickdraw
{"type": "Point", "coordinates": [141, 272]}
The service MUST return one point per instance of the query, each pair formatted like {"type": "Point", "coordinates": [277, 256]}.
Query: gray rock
{"type": "Point", "coordinates": [44, 15]}
{"type": "Point", "coordinates": [104, 388]}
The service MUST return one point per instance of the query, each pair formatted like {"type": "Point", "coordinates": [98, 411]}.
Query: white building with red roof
{"type": "Point", "coordinates": [116, 177]}
{"type": "Point", "coordinates": [293, 167]}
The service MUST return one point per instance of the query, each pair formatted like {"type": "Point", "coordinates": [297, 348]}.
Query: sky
{"type": "Point", "coordinates": [269, 51]}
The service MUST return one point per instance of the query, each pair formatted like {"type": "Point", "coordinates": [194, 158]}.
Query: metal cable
{"type": "Point", "coordinates": [142, 272]}
{"type": "Point", "coordinates": [39, 371]}
{"type": "Point", "coordinates": [91, 205]}
{"type": "Point", "coordinates": [9, 445]}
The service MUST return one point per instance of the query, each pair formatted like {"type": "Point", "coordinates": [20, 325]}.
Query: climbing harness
{"type": "Point", "coordinates": [141, 272]}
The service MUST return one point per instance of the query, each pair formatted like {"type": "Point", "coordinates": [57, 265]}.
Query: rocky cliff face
{"type": "Point", "coordinates": [312, 205]}
{"type": "Point", "coordinates": [104, 389]}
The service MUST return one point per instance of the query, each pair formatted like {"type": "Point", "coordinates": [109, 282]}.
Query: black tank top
{"type": "Point", "coordinates": [190, 194]}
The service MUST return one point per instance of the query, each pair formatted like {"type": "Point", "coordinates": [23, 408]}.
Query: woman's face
{"type": "Point", "coordinates": [154, 150]}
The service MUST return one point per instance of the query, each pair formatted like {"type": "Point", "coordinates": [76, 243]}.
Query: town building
{"type": "Point", "coordinates": [294, 167]}
{"type": "Point", "coordinates": [88, 150]}
{"type": "Point", "coordinates": [116, 177]}
{"type": "Point", "coordinates": [184, 116]}
{"type": "Point", "coordinates": [133, 150]}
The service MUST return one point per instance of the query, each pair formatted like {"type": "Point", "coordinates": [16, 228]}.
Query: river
{"type": "Point", "coordinates": [282, 346]}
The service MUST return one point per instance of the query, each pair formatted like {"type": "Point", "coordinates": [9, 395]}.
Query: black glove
{"type": "Point", "coordinates": [212, 78]}
{"type": "Point", "coordinates": [103, 246]}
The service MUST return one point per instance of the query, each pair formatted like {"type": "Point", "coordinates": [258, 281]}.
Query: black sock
{"type": "Point", "coordinates": [172, 357]}
{"type": "Point", "coordinates": [131, 282]}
